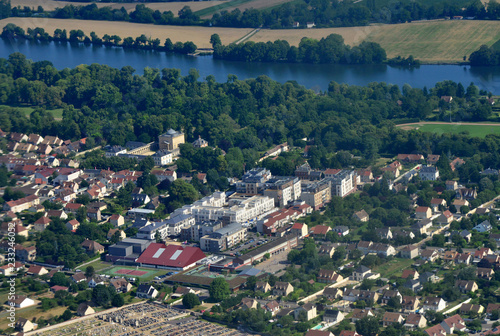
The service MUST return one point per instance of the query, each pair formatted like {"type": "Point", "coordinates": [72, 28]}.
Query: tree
{"type": "Point", "coordinates": [190, 300]}
{"type": "Point", "coordinates": [117, 301]}
{"type": "Point", "coordinates": [368, 326]}
{"type": "Point", "coordinates": [215, 40]}
{"type": "Point", "coordinates": [59, 279]}
{"type": "Point", "coordinates": [89, 271]}
{"type": "Point", "coordinates": [101, 295]}
{"type": "Point", "coordinates": [219, 289]}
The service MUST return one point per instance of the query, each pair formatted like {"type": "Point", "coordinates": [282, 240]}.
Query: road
{"type": "Point", "coordinates": [414, 169]}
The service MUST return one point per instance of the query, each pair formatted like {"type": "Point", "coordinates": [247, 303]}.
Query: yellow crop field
{"type": "Point", "coordinates": [199, 35]}
{"type": "Point", "coordinates": [50, 5]}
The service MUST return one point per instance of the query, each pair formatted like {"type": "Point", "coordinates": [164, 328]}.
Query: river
{"type": "Point", "coordinates": [314, 76]}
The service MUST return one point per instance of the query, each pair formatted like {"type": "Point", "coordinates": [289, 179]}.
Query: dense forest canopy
{"type": "Point", "coordinates": [113, 106]}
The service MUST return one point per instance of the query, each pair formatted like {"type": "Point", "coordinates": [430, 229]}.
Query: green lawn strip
{"type": "Point", "coordinates": [393, 267]}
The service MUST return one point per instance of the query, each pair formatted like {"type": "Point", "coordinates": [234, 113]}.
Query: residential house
{"type": "Point", "coordinates": [360, 273]}
{"type": "Point", "coordinates": [413, 284]}
{"type": "Point", "coordinates": [390, 294]}
{"type": "Point", "coordinates": [445, 218]}
{"type": "Point", "coordinates": [422, 226]}
{"type": "Point", "coordinates": [299, 229]}
{"type": "Point", "coordinates": [332, 316]}
{"type": "Point", "coordinates": [84, 309]}
{"type": "Point", "coordinates": [384, 233]}
{"type": "Point", "coordinates": [328, 276]}
{"type": "Point", "coordinates": [483, 227]}
{"type": "Point", "coordinates": [326, 250]}
{"type": "Point", "coordinates": [436, 202]}
{"type": "Point", "coordinates": [146, 292]}
{"type": "Point", "coordinates": [72, 225]}
{"type": "Point", "coordinates": [262, 286]}
{"type": "Point", "coordinates": [466, 286]}
{"type": "Point", "coordinates": [92, 246]}
{"type": "Point", "coordinates": [358, 314]}
{"type": "Point", "coordinates": [409, 303]}
{"type": "Point", "coordinates": [451, 185]}
{"type": "Point", "coordinates": [464, 258]}
{"type": "Point", "coordinates": [410, 158]}
{"type": "Point", "coordinates": [410, 274]}
{"type": "Point", "coordinates": [112, 232]}
{"type": "Point", "coordinates": [414, 321]}
{"type": "Point", "coordinates": [466, 193]}
{"type": "Point", "coordinates": [392, 318]}
{"type": "Point", "coordinates": [273, 307]}
{"type": "Point", "coordinates": [423, 212]}
{"type": "Point", "coordinates": [348, 333]}
{"type": "Point", "coordinates": [24, 325]}
{"type": "Point", "coordinates": [332, 293]}
{"type": "Point", "coordinates": [361, 216]}
{"type": "Point", "coordinates": [94, 214]}
{"type": "Point", "coordinates": [430, 255]}
{"type": "Point", "coordinates": [20, 301]}
{"type": "Point", "coordinates": [364, 246]}
{"type": "Point", "coordinates": [360, 295]}
{"type": "Point", "coordinates": [432, 159]}
{"type": "Point", "coordinates": [249, 303]}
{"type": "Point", "coordinates": [409, 252]}
{"type": "Point", "coordinates": [313, 332]}
{"type": "Point", "coordinates": [467, 308]}
{"type": "Point", "coordinates": [78, 277]}
{"type": "Point", "coordinates": [485, 273]}
{"type": "Point", "coordinates": [320, 231]}
{"type": "Point", "coordinates": [282, 288]}
{"type": "Point", "coordinates": [453, 324]}
{"type": "Point", "coordinates": [492, 307]}
{"type": "Point", "coordinates": [433, 303]}
{"type": "Point", "coordinates": [42, 223]}
{"type": "Point", "coordinates": [436, 330]}
{"type": "Point", "coordinates": [308, 308]}
{"type": "Point", "coordinates": [365, 175]}
{"type": "Point", "coordinates": [429, 173]}
{"type": "Point", "coordinates": [37, 270]}
{"type": "Point", "coordinates": [26, 253]}
{"type": "Point", "coordinates": [455, 163]}
{"type": "Point", "coordinates": [450, 256]}
{"type": "Point", "coordinates": [428, 276]}
{"type": "Point", "coordinates": [117, 220]}
{"type": "Point", "coordinates": [342, 230]}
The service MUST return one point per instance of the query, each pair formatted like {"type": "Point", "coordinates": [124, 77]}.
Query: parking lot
{"type": "Point", "coordinates": [147, 319]}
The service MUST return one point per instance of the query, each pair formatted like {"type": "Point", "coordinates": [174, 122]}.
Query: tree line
{"type": "Point", "coordinates": [297, 14]}
{"type": "Point", "coordinates": [330, 49]}
{"type": "Point", "coordinates": [485, 56]}
{"type": "Point", "coordinates": [11, 31]}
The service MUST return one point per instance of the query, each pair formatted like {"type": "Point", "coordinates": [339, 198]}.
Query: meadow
{"type": "Point", "coordinates": [477, 130]}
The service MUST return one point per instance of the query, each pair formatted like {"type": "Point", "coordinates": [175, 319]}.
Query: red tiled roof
{"type": "Point", "coordinates": [170, 255]}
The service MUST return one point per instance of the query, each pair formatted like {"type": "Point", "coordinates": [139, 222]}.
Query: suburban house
{"type": "Point", "coordinates": [409, 252]}
{"type": "Point", "coordinates": [332, 293]}
{"type": "Point", "coordinates": [433, 303]}
{"type": "Point", "coordinates": [358, 314]}
{"type": "Point", "coordinates": [262, 286]}
{"type": "Point", "coordinates": [328, 276]}
{"type": "Point", "coordinates": [121, 285]}
{"type": "Point", "coordinates": [414, 321]}
{"type": "Point", "coordinates": [282, 288]}
{"type": "Point", "coordinates": [423, 212]}
{"type": "Point", "coordinates": [429, 255]}
{"type": "Point", "coordinates": [453, 323]}
{"type": "Point", "coordinates": [92, 246]}
{"type": "Point", "coordinates": [410, 303]}
{"type": "Point", "coordinates": [320, 230]}
{"type": "Point", "coordinates": [24, 325]}
{"type": "Point", "coordinates": [436, 202]}
{"type": "Point", "coordinates": [445, 218]}
{"type": "Point", "coordinates": [410, 274]}
{"type": "Point", "coordinates": [146, 292]}
{"type": "Point", "coordinates": [392, 318]}
{"type": "Point", "coordinates": [389, 294]}
{"type": "Point", "coordinates": [308, 308]}
{"type": "Point", "coordinates": [483, 227]}
{"type": "Point", "coordinates": [72, 225]}
{"type": "Point", "coordinates": [361, 216]}
{"type": "Point", "coordinates": [327, 250]}
{"type": "Point", "coordinates": [117, 220]}
{"type": "Point", "coordinates": [467, 308]}
{"type": "Point", "coordinates": [485, 273]}
{"type": "Point", "coordinates": [361, 273]}
{"type": "Point", "coordinates": [429, 173]}
{"type": "Point", "coordinates": [273, 307]}
{"type": "Point", "coordinates": [466, 286]}
{"type": "Point", "coordinates": [21, 301]}
{"type": "Point", "coordinates": [84, 309]}
{"type": "Point", "coordinates": [333, 316]}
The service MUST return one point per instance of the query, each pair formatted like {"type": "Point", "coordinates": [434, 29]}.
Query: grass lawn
{"type": "Point", "coordinates": [29, 313]}
{"type": "Point", "coordinates": [26, 110]}
{"type": "Point", "coordinates": [474, 130]}
{"type": "Point", "coordinates": [393, 267]}
{"type": "Point", "coordinates": [98, 265]}
{"type": "Point", "coordinates": [217, 8]}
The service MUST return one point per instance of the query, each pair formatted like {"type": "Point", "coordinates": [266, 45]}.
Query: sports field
{"type": "Point", "coordinates": [198, 35]}
{"type": "Point", "coordinates": [474, 129]}
{"type": "Point", "coordinates": [133, 272]}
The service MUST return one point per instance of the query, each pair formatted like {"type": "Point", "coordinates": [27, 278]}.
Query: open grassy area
{"type": "Point", "coordinates": [26, 110]}
{"type": "Point", "coordinates": [198, 35]}
{"type": "Point", "coordinates": [29, 313]}
{"type": "Point", "coordinates": [393, 267]}
{"type": "Point", "coordinates": [479, 130]}
{"type": "Point", "coordinates": [226, 5]}
{"type": "Point", "coordinates": [98, 265]}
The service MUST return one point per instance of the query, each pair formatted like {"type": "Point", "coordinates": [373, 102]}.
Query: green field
{"type": "Point", "coordinates": [26, 110]}
{"type": "Point", "coordinates": [152, 272]}
{"type": "Point", "coordinates": [435, 41]}
{"type": "Point", "coordinates": [395, 266]}
{"type": "Point", "coordinates": [474, 130]}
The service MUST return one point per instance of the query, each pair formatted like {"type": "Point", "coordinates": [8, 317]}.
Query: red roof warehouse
{"type": "Point", "coordinates": [170, 256]}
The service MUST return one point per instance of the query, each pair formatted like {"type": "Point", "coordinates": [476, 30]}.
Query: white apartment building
{"type": "Point", "coordinates": [343, 183]}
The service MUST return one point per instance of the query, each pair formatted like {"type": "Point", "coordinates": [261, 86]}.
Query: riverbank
{"type": "Point", "coordinates": [431, 42]}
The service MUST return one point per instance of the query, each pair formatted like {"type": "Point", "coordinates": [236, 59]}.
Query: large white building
{"type": "Point", "coordinates": [237, 209]}
{"type": "Point", "coordinates": [343, 183]}
{"type": "Point", "coordinates": [283, 190]}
